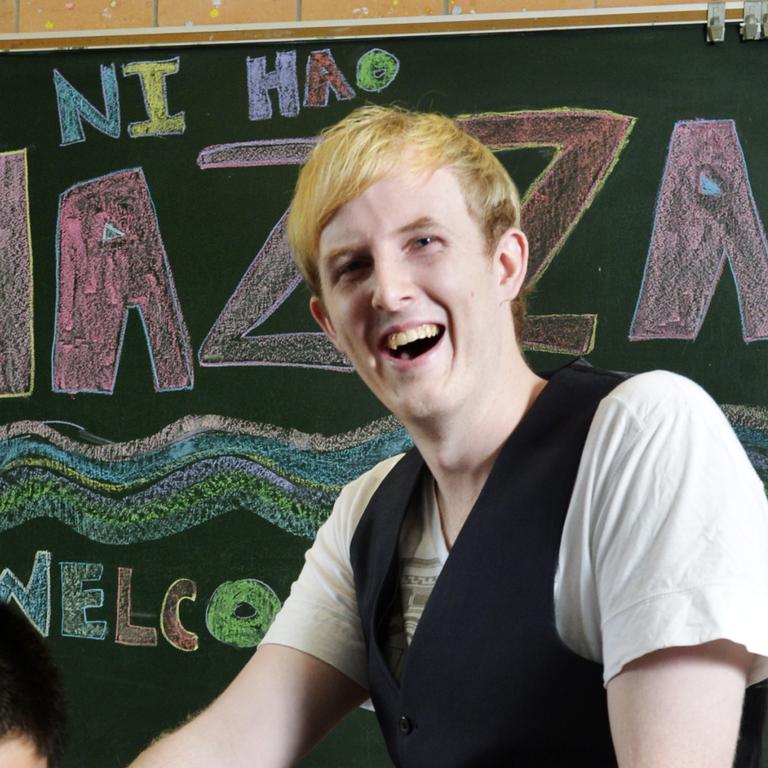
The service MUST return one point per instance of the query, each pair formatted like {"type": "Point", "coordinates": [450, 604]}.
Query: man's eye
{"type": "Point", "coordinates": [350, 268]}
{"type": "Point", "coordinates": [423, 242]}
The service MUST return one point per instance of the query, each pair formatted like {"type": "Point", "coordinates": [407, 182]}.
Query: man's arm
{"type": "Point", "coordinates": [679, 706]}
{"type": "Point", "coordinates": [274, 711]}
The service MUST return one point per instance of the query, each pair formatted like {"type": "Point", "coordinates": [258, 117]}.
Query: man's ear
{"type": "Point", "coordinates": [321, 318]}
{"type": "Point", "coordinates": [511, 260]}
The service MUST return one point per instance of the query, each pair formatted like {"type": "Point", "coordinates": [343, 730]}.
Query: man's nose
{"type": "Point", "coordinates": [392, 285]}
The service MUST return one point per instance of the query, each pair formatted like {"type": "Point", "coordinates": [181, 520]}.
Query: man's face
{"type": "Point", "coordinates": [20, 752]}
{"type": "Point", "coordinates": [413, 298]}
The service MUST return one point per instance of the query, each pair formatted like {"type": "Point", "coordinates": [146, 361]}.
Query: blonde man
{"type": "Point", "coordinates": [546, 540]}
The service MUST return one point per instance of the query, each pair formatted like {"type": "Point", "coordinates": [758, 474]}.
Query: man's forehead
{"type": "Point", "coordinates": [405, 207]}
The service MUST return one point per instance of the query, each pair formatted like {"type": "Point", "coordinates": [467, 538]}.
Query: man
{"type": "Point", "coordinates": [586, 530]}
{"type": "Point", "coordinates": [32, 712]}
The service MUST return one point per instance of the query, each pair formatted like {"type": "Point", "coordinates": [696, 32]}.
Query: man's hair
{"type": "Point", "coordinates": [31, 699]}
{"type": "Point", "coordinates": [368, 145]}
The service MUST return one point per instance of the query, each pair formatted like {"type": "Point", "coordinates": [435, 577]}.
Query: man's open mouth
{"type": "Point", "coordinates": [407, 345]}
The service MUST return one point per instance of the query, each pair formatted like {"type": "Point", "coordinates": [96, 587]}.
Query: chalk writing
{"type": "Point", "coordinates": [588, 144]}
{"type": "Point", "coordinates": [34, 599]}
{"type": "Point", "coordinates": [575, 334]}
{"type": "Point", "coordinates": [16, 339]}
{"type": "Point", "coordinates": [376, 70]}
{"type": "Point", "coordinates": [324, 76]}
{"type": "Point", "coordinates": [269, 280]}
{"type": "Point", "coordinates": [74, 107]}
{"type": "Point", "coordinates": [705, 215]}
{"type": "Point", "coordinates": [247, 154]}
{"type": "Point", "coordinates": [239, 612]}
{"type": "Point", "coordinates": [75, 601]}
{"type": "Point", "coordinates": [111, 258]}
{"type": "Point", "coordinates": [281, 79]}
{"type": "Point", "coordinates": [127, 633]}
{"type": "Point", "coordinates": [152, 75]}
{"type": "Point", "coordinates": [170, 618]}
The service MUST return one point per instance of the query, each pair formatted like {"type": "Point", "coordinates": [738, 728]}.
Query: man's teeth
{"type": "Point", "coordinates": [400, 339]}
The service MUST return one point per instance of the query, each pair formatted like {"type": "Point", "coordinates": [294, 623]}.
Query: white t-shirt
{"type": "Point", "coordinates": [665, 542]}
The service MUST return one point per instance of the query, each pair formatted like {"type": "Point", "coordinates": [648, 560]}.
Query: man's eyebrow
{"type": "Point", "coordinates": [423, 222]}
{"type": "Point", "coordinates": [339, 253]}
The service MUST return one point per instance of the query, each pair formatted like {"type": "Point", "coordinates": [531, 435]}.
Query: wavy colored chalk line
{"type": "Point", "coordinates": [199, 468]}
{"type": "Point", "coordinates": [192, 471]}
{"type": "Point", "coordinates": [751, 426]}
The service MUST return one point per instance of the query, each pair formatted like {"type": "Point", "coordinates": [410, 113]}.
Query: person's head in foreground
{"type": "Point", "coordinates": [32, 711]}
{"type": "Point", "coordinates": [406, 231]}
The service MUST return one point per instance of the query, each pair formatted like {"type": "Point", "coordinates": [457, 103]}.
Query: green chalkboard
{"type": "Point", "coordinates": [172, 428]}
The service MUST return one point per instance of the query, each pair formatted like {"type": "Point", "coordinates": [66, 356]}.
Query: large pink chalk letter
{"type": "Point", "coordinates": [111, 259]}
{"type": "Point", "coordinates": [267, 283]}
{"type": "Point", "coordinates": [705, 214]}
{"type": "Point", "coordinates": [16, 355]}
{"type": "Point", "coordinates": [588, 144]}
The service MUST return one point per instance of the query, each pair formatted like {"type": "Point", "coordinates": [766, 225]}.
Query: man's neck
{"type": "Point", "coordinates": [460, 450]}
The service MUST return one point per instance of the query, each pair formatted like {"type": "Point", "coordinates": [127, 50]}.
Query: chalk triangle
{"type": "Point", "coordinates": [111, 232]}
{"type": "Point", "coordinates": [709, 186]}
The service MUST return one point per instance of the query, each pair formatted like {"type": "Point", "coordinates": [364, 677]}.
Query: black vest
{"type": "Point", "coordinates": [487, 680]}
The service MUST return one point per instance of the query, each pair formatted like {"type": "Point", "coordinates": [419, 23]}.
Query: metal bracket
{"type": "Point", "coordinates": [752, 27]}
{"type": "Point", "coordinates": [715, 22]}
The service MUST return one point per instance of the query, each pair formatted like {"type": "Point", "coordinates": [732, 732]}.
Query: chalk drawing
{"type": "Point", "coordinates": [74, 107]}
{"type": "Point", "coordinates": [75, 601]}
{"type": "Point", "coordinates": [324, 76]}
{"type": "Point", "coordinates": [588, 144]}
{"type": "Point", "coordinates": [170, 619]}
{"type": "Point", "coordinates": [100, 278]}
{"type": "Point", "coordinates": [127, 633]}
{"type": "Point", "coordinates": [282, 79]}
{"type": "Point", "coordinates": [194, 470]}
{"type": "Point", "coordinates": [259, 153]}
{"type": "Point", "coordinates": [152, 75]}
{"type": "Point", "coordinates": [16, 336]}
{"type": "Point", "coordinates": [269, 280]}
{"type": "Point", "coordinates": [705, 215]}
{"type": "Point", "coordinates": [567, 334]}
{"type": "Point", "coordinates": [239, 612]}
{"type": "Point", "coordinates": [34, 599]}
{"type": "Point", "coordinates": [376, 70]}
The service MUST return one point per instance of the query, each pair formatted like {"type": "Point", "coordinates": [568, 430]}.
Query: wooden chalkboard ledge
{"type": "Point", "coordinates": [479, 23]}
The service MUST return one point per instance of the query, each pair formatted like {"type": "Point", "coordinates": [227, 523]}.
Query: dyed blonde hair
{"type": "Point", "coordinates": [366, 146]}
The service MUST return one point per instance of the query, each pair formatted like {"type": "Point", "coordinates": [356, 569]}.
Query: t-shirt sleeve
{"type": "Point", "coordinates": [320, 615]}
{"type": "Point", "coordinates": [676, 528]}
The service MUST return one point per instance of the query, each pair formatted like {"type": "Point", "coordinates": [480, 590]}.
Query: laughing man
{"type": "Point", "coordinates": [564, 571]}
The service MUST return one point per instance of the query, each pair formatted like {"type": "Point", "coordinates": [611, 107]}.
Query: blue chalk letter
{"type": "Point", "coordinates": [35, 598]}
{"type": "Point", "coordinates": [74, 107]}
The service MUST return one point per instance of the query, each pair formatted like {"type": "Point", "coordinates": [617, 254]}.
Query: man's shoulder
{"type": "Point", "coordinates": [655, 394]}
{"type": "Point", "coordinates": [354, 497]}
